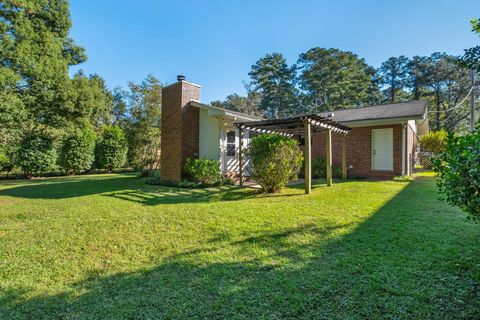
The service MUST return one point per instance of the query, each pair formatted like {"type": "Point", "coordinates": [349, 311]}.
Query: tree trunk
{"type": "Point", "coordinates": [392, 92]}
{"type": "Point", "coordinates": [437, 115]}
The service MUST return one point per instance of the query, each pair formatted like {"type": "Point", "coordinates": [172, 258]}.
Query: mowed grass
{"type": "Point", "coordinates": [112, 247]}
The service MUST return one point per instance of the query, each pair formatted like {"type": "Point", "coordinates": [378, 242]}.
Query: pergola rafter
{"type": "Point", "coordinates": [300, 125]}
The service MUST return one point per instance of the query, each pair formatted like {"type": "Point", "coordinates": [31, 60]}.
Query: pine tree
{"type": "Point", "coordinates": [333, 79]}
{"type": "Point", "coordinates": [275, 81]}
{"type": "Point", "coordinates": [393, 74]}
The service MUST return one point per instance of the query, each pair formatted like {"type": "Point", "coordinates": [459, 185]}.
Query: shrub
{"type": "Point", "coordinates": [458, 168]}
{"type": "Point", "coordinates": [36, 154]}
{"type": "Point", "coordinates": [78, 151]}
{"type": "Point", "coordinates": [7, 159]}
{"type": "Point", "coordinates": [337, 172]}
{"type": "Point", "coordinates": [112, 150]}
{"type": "Point", "coordinates": [202, 170]}
{"type": "Point", "coordinates": [434, 141]}
{"type": "Point", "coordinates": [274, 160]}
{"type": "Point", "coordinates": [188, 184]}
{"type": "Point", "coordinates": [319, 169]}
{"type": "Point", "coordinates": [402, 179]}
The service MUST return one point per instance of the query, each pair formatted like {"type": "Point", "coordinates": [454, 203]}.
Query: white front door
{"type": "Point", "coordinates": [382, 149]}
{"type": "Point", "coordinates": [230, 154]}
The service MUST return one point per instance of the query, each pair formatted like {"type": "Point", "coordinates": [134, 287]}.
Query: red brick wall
{"type": "Point", "coordinates": [180, 128]}
{"type": "Point", "coordinates": [359, 151]}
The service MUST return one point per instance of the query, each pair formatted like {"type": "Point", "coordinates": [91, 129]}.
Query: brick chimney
{"type": "Point", "coordinates": [180, 127]}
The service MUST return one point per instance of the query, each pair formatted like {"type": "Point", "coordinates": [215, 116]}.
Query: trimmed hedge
{"type": "Point", "coordinates": [37, 154]}
{"type": "Point", "coordinates": [78, 151]}
{"type": "Point", "coordinates": [112, 149]}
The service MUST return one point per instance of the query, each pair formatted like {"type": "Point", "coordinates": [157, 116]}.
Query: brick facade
{"type": "Point", "coordinates": [359, 151]}
{"type": "Point", "coordinates": [180, 128]}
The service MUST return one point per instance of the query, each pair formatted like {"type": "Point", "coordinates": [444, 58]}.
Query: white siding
{"type": "Point", "coordinates": [413, 125]}
{"type": "Point", "coordinates": [209, 144]}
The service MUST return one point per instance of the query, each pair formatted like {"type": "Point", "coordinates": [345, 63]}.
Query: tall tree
{"type": "Point", "coordinates": [471, 57]}
{"type": "Point", "coordinates": [91, 101]}
{"type": "Point", "coordinates": [375, 95]}
{"type": "Point", "coordinates": [235, 102]}
{"type": "Point", "coordinates": [334, 79]}
{"type": "Point", "coordinates": [447, 83]}
{"type": "Point", "coordinates": [274, 79]}
{"type": "Point", "coordinates": [392, 75]}
{"type": "Point", "coordinates": [144, 103]}
{"type": "Point", "coordinates": [35, 53]}
{"type": "Point", "coordinates": [417, 76]}
{"type": "Point", "coordinates": [119, 113]}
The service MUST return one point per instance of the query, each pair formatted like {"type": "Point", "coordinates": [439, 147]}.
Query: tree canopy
{"type": "Point", "coordinates": [274, 80]}
{"type": "Point", "coordinates": [35, 54]}
{"type": "Point", "coordinates": [393, 75]}
{"type": "Point", "coordinates": [333, 79]}
{"type": "Point", "coordinates": [471, 57]}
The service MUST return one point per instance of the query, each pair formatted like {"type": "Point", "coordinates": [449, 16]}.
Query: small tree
{"type": "Point", "coordinates": [274, 160]}
{"type": "Point", "coordinates": [112, 149]}
{"type": "Point", "coordinates": [434, 141]}
{"type": "Point", "coordinates": [459, 172]}
{"type": "Point", "coordinates": [78, 151]}
{"type": "Point", "coordinates": [36, 154]}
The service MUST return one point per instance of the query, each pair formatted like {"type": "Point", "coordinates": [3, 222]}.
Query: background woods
{"type": "Point", "coordinates": [332, 79]}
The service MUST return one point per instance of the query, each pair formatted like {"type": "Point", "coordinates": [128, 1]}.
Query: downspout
{"type": "Point", "coordinates": [404, 148]}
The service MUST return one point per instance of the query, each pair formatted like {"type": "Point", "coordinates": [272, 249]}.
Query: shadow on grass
{"type": "Point", "coordinates": [414, 258]}
{"type": "Point", "coordinates": [128, 188]}
{"type": "Point", "coordinates": [318, 183]}
{"type": "Point", "coordinates": [67, 187]}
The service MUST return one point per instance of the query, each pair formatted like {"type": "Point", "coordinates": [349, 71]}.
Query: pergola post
{"type": "Point", "coordinates": [329, 157]}
{"type": "Point", "coordinates": [240, 155]}
{"type": "Point", "coordinates": [308, 157]}
{"type": "Point", "coordinates": [344, 158]}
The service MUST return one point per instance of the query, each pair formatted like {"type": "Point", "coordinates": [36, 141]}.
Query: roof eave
{"type": "Point", "coordinates": [215, 111]}
{"type": "Point", "coordinates": [379, 121]}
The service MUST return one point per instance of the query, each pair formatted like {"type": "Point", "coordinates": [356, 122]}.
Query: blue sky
{"type": "Point", "coordinates": [214, 43]}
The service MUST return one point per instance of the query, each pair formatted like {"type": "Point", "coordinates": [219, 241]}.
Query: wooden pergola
{"type": "Point", "coordinates": [301, 125]}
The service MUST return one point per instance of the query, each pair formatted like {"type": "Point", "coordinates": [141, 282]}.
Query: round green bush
{"type": "Point", "coordinates": [274, 159]}
{"type": "Point", "coordinates": [78, 151]}
{"type": "Point", "coordinates": [112, 149]}
{"type": "Point", "coordinates": [434, 141]}
{"type": "Point", "coordinates": [203, 171]}
{"type": "Point", "coordinates": [458, 169]}
{"type": "Point", "coordinates": [36, 154]}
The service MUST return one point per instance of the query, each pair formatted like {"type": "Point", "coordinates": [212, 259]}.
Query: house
{"type": "Point", "coordinates": [380, 144]}
{"type": "Point", "coordinates": [191, 129]}
{"type": "Point", "coordinates": [383, 140]}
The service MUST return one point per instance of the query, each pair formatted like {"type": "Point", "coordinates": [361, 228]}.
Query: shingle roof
{"type": "Point", "coordinates": [225, 111]}
{"type": "Point", "coordinates": [411, 110]}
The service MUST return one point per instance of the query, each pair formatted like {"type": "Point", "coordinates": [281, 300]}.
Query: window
{"type": "Point", "coordinates": [231, 143]}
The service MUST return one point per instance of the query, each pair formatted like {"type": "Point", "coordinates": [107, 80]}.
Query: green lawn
{"type": "Point", "coordinates": [112, 247]}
